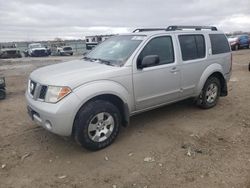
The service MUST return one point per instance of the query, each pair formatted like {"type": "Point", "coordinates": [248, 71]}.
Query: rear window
{"type": "Point", "coordinates": [219, 43]}
{"type": "Point", "coordinates": [192, 46]}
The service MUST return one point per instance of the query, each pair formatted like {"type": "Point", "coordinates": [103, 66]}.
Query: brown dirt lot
{"type": "Point", "coordinates": [218, 141]}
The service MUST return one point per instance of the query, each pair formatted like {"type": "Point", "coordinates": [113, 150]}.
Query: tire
{"type": "Point", "coordinates": [2, 94]}
{"type": "Point", "coordinates": [97, 125]}
{"type": "Point", "coordinates": [71, 54]}
{"type": "Point", "coordinates": [209, 94]}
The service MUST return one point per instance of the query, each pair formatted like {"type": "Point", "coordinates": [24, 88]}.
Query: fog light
{"type": "Point", "coordinates": [48, 125]}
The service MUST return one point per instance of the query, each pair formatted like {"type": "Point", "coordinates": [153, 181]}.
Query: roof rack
{"type": "Point", "coordinates": [180, 27]}
{"type": "Point", "coordinates": [176, 27]}
{"type": "Point", "coordinates": [148, 29]}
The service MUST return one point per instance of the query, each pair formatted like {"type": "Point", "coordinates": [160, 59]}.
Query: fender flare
{"type": "Point", "coordinates": [88, 91]}
{"type": "Point", "coordinates": [211, 69]}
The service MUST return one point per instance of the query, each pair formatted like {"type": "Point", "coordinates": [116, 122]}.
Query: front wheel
{"type": "Point", "coordinates": [97, 125]}
{"type": "Point", "coordinates": [210, 93]}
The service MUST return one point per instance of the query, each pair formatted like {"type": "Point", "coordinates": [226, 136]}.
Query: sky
{"type": "Point", "coordinates": [30, 20]}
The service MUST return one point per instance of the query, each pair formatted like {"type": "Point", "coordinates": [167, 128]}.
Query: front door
{"type": "Point", "coordinates": [160, 83]}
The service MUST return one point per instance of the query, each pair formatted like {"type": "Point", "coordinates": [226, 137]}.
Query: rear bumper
{"type": "Point", "coordinates": [57, 118]}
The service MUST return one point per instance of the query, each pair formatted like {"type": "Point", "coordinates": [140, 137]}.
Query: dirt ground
{"type": "Point", "coordinates": [175, 146]}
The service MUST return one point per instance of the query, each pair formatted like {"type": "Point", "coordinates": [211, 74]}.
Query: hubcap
{"type": "Point", "coordinates": [211, 93]}
{"type": "Point", "coordinates": [101, 127]}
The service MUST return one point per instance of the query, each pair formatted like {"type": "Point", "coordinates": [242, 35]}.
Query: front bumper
{"type": "Point", "coordinates": [66, 52]}
{"type": "Point", "coordinates": [39, 53]}
{"type": "Point", "coordinates": [57, 118]}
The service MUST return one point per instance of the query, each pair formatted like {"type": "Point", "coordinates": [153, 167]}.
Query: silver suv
{"type": "Point", "coordinates": [93, 97]}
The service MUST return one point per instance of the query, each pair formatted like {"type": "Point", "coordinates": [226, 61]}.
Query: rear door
{"type": "Point", "coordinates": [194, 61]}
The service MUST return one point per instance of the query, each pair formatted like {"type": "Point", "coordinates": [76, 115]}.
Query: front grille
{"type": "Point", "coordinates": [43, 92]}
{"type": "Point", "coordinates": [37, 91]}
{"type": "Point", "coordinates": [11, 52]}
{"type": "Point", "coordinates": [67, 49]}
{"type": "Point", "coordinates": [39, 52]}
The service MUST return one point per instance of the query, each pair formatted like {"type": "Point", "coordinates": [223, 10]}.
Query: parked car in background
{"type": "Point", "coordinates": [36, 50]}
{"type": "Point", "coordinates": [91, 98]}
{"type": "Point", "coordinates": [64, 50]}
{"type": "Point", "coordinates": [10, 51]}
{"type": "Point", "coordinates": [239, 41]}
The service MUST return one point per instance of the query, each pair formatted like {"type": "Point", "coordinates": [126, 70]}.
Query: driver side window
{"type": "Point", "coordinates": [160, 46]}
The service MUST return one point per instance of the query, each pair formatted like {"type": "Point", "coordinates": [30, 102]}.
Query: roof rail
{"type": "Point", "coordinates": [180, 27]}
{"type": "Point", "coordinates": [148, 29]}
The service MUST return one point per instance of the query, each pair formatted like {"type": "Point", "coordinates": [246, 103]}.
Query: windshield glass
{"type": "Point", "coordinates": [115, 50]}
{"type": "Point", "coordinates": [35, 46]}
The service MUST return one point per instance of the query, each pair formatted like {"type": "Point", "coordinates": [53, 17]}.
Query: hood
{"type": "Point", "coordinates": [74, 73]}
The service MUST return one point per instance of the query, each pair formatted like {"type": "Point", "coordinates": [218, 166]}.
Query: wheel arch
{"type": "Point", "coordinates": [114, 99]}
{"type": "Point", "coordinates": [214, 70]}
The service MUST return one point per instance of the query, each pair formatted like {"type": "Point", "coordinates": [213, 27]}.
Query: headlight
{"type": "Point", "coordinates": [55, 94]}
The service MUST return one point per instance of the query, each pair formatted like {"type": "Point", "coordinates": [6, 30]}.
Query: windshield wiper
{"type": "Point", "coordinates": [98, 60]}
{"type": "Point", "coordinates": [104, 61]}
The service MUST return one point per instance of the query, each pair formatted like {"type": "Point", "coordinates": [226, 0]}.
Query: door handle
{"type": "Point", "coordinates": [174, 70]}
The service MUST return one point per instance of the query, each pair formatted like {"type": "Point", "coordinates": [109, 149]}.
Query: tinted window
{"type": "Point", "coordinates": [219, 43]}
{"type": "Point", "coordinates": [192, 46]}
{"type": "Point", "coordinates": [161, 46]}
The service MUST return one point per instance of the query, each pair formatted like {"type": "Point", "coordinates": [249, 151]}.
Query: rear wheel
{"type": "Point", "coordinates": [98, 125]}
{"type": "Point", "coordinates": [210, 93]}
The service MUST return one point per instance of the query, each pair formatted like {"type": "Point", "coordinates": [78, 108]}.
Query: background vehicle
{"type": "Point", "coordinates": [128, 74]}
{"type": "Point", "coordinates": [9, 51]}
{"type": "Point", "coordinates": [64, 50]}
{"type": "Point", "coordinates": [36, 50]}
{"type": "Point", "coordinates": [92, 41]}
{"type": "Point", "coordinates": [2, 88]}
{"type": "Point", "coordinates": [239, 41]}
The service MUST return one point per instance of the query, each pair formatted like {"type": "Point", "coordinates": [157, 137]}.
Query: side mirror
{"type": "Point", "coordinates": [149, 61]}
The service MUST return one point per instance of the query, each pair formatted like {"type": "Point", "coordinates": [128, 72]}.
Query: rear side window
{"type": "Point", "coordinates": [192, 46]}
{"type": "Point", "coordinates": [219, 43]}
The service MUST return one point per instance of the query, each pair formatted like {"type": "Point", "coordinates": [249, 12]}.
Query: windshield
{"type": "Point", "coordinates": [35, 46]}
{"type": "Point", "coordinates": [115, 50]}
